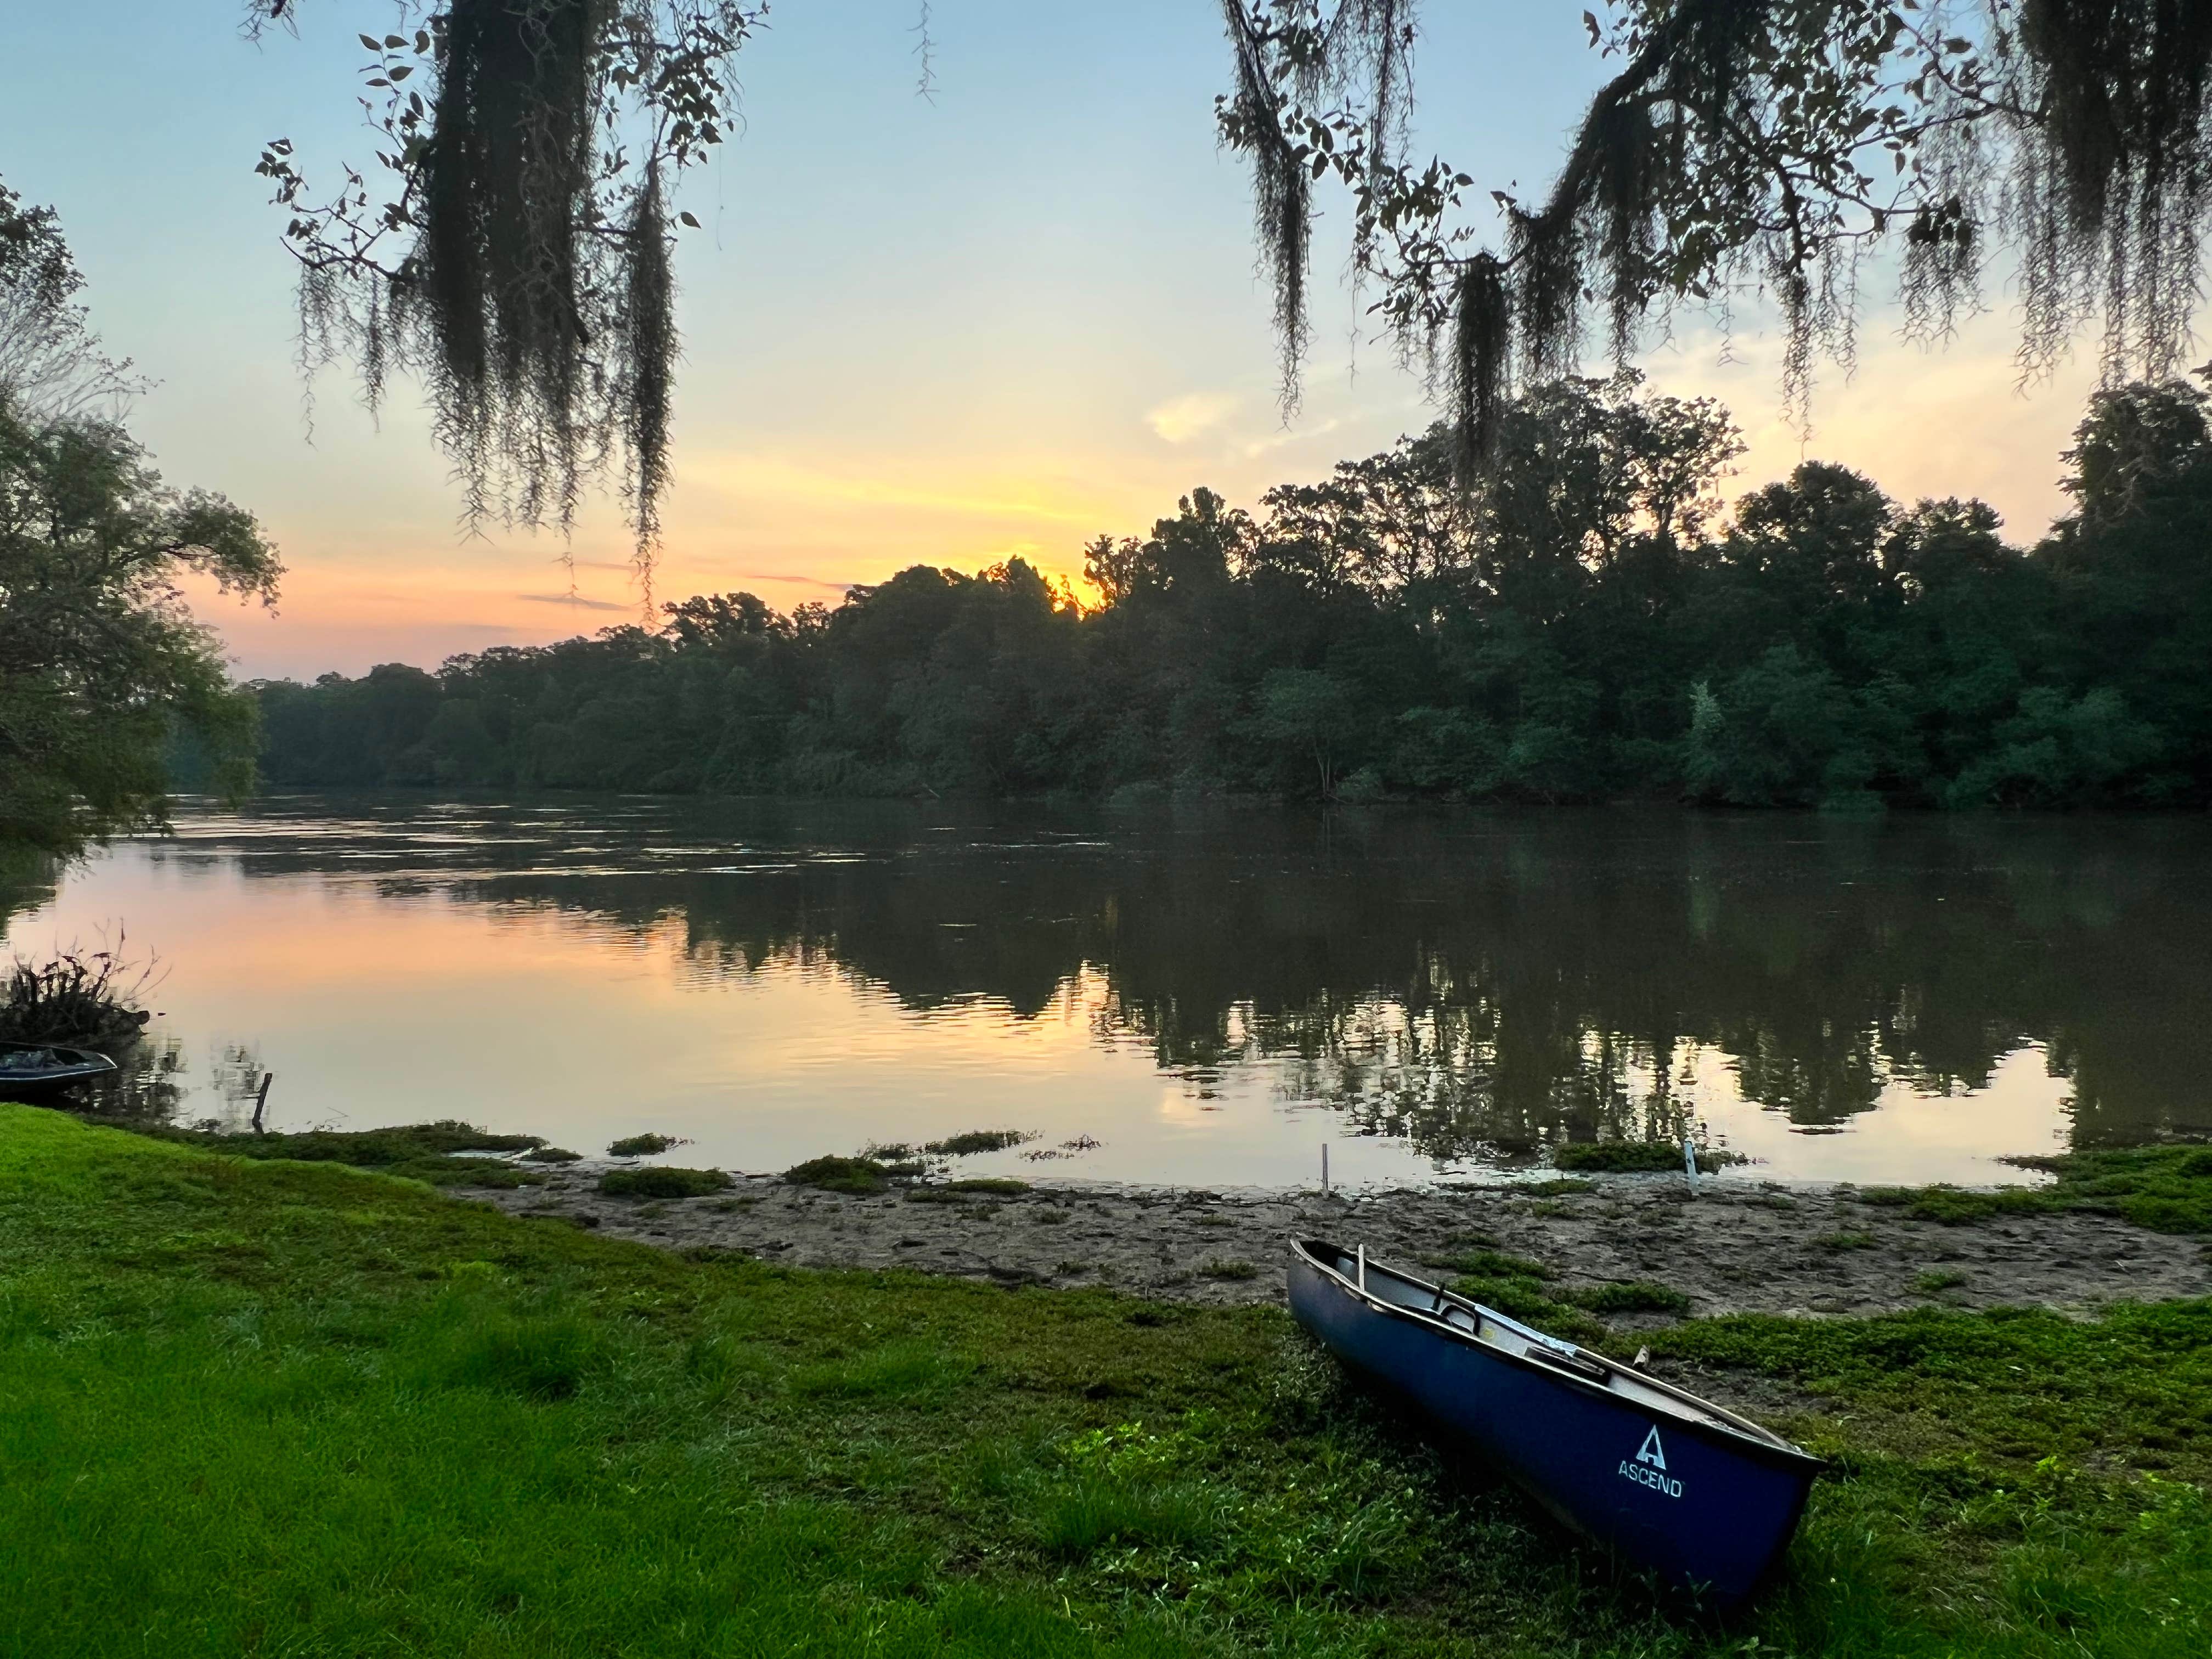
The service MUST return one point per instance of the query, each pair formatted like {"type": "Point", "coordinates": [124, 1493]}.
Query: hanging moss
{"type": "Point", "coordinates": [1738, 146]}
{"type": "Point", "coordinates": [1282, 202]}
{"type": "Point", "coordinates": [522, 265]}
{"type": "Point", "coordinates": [1481, 345]}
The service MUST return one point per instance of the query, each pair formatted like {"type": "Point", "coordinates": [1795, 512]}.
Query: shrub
{"type": "Point", "coordinates": [85, 998]}
{"type": "Point", "coordinates": [642, 1146]}
{"type": "Point", "coordinates": [662, 1181]}
{"type": "Point", "coordinates": [1219, 1269]}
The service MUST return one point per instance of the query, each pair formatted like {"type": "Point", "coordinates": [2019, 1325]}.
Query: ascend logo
{"type": "Point", "coordinates": [1649, 1468]}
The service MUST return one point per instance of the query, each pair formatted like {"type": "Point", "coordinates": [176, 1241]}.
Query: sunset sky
{"type": "Point", "coordinates": [951, 331]}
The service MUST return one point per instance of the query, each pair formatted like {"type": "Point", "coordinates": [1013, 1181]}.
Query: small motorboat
{"type": "Point", "coordinates": [1705, 1497]}
{"type": "Point", "coordinates": [33, 1070]}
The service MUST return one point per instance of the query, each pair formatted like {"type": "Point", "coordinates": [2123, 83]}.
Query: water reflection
{"type": "Point", "coordinates": [1470, 985]}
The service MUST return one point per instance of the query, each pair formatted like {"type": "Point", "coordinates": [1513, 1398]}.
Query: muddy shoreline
{"type": "Point", "coordinates": [1738, 1246]}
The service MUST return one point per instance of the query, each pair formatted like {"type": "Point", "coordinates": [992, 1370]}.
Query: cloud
{"type": "Point", "coordinates": [1276, 440]}
{"type": "Point", "coordinates": [575, 600]}
{"type": "Point", "coordinates": [793, 581]}
{"type": "Point", "coordinates": [1180, 419]}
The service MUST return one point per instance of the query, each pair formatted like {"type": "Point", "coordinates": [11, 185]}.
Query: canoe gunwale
{"type": "Point", "coordinates": [1693, 1411]}
{"type": "Point", "coordinates": [83, 1066]}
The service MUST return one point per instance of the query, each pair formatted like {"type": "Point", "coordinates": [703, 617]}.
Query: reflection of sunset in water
{"type": "Point", "coordinates": [1210, 995]}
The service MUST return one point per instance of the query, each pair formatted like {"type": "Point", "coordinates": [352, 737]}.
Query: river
{"type": "Point", "coordinates": [1202, 993]}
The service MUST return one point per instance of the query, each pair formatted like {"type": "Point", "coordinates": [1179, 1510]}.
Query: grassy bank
{"type": "Point", "coordinates": [282, 1407]}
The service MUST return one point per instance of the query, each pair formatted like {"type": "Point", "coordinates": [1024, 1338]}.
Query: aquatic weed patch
{"type": "Point", "coordinates": [973, 1141]}
{"type": "Point", "coordinates": [644, 1146]}
{"type": "Point", "coordinates": [1630, 1157]}
{"type": "Point", "coordinates": [280, 1406]}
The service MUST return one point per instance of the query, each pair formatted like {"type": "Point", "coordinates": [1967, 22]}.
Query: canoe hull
{"type": "Point", "coordinates": [1704, 1508]}
{"type": "Point", "coordinates": [65, 1068]}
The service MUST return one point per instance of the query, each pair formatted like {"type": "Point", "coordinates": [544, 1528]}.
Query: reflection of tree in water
{"type": "Point", "coordinates": [27, 880]}
{"type": "Point", "coordinates": [148, 1085]}
{"type": "Point", "coordinates": [1439, 1077]}
{"type": "Point", "coordinates": [1470, 980]}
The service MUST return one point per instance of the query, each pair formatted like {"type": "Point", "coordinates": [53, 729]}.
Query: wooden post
{"type": "Point", "coordinates": [261, 1101]}
{"type": "Point", "coordinates": [1689, 1162]}
{"type": "Point", "coordinates": [1324, 1169]}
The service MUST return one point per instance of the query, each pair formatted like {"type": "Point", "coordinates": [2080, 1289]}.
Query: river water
{"type": "Point", "coordinates": [1208, 993]}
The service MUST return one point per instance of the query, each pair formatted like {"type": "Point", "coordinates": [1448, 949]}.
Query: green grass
{"type": "Point", "coordinates": [2167, 1189]}
{"type": "Point", "coordinates": [362, 1149]}
{"type": "Point", "coordinates": [251, 1407]}
{"type": "Point", "coordinates": [663, 1181]}
{"type": "Point", "coordinates": [1620, 1157]}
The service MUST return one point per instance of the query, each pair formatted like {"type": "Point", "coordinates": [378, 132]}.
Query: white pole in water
{"type": "Point", "coordinates": [1363, 1270]}
{"type": "Point", "coordinates": [1324, 1169]}
{"type": "Point", "coordinates": [1689, 1162]}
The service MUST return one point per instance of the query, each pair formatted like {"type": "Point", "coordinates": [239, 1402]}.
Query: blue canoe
{"type": "Point", "coordinates": [33, 1070]}
{"type": "Point", "coordinates": [1667, 1480]}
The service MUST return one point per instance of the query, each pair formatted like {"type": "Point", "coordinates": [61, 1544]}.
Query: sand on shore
{"type": "Point", "coordinates": [1738, 1246]}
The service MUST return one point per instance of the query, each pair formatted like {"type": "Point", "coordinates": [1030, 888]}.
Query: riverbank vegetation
{"type": "Point", "coordinates": [101, 663]}
{"type": "Point", "coordinates": [270, 1406]}
{"type": "Point", "coordinates": [1592, 625]}
{"type": "Point", "coordinates": [92, 998]}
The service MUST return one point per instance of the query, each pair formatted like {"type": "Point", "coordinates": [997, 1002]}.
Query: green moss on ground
{"type": "Point", "coordinates": [1629, 1295]}
{"type": "Point", "coordinates": [2167, 1189]}
{"type": "Point", "coordinates": [362, 1149]}
{"type": "Point", "coordinates": [262, 1406]}
{"type": "Point", "coordinates": [663, 1181]}
{"type": "Point", "coordinates": [857, 1176]}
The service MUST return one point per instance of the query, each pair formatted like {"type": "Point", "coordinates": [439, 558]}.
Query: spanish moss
{"type": "Point", "coordinates": [1761, 148]}
{"type": "Point", "coordinates": [518, 261]}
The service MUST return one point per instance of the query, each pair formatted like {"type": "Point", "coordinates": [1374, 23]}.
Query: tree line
{"type": "Point", "coordinates": [1591, 623]}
